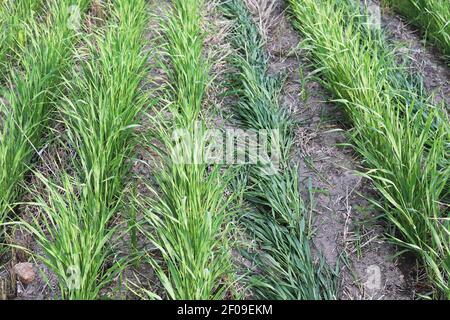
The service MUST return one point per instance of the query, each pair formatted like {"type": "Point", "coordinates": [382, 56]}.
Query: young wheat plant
{"type": "Point", "coordinates": [187, 216]}
{"type": "Point", "coordinates": [433, 16]}
{"type": "Point", "coordinates": [284, 266]}
{"type": "Point", "coordinates": [31, 101]}
{"type": "Point", "coordinates": [76, 230]}
{"type": "Point", "coordinates": [404, 148]}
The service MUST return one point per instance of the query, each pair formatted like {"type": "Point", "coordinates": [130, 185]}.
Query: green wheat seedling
{"type": "Point", "coordinates": [189, 219]}
{"type": "Point", "coordinates": [404, 149]}
{"type": "Point", "coordinates": [188, 214]}
{"type": "Point", "coordinates": [433, 16]}
{"type": "Point", "coordinates": [285, 267]}
{"type": "Point", "coordinates": [15, 19]}
{"type": "Point", "coordinates": [76, 228]}
{"type": "Point", "coordinates": [31, 101]}
{"type": "Point", "coordinates": [409, 87]}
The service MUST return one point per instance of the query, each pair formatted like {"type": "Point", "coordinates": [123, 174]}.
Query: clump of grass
{"type": "Point", "coordinates": [433, 16]}
{"type": "Point", "coordinates": [187, 216]}
{"type": "Point", "coordinates": [404, 148]}
{"type": "Point", "coordinates": [15, 18]}
{"type": "Point", "coordinates": [100, 112]}
{"type": "Point", "coordinates": [35, 90]}
{"type": "Point", "coordinates": [285, 267]}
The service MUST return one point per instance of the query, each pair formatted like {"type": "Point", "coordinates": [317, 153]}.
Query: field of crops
{"type": "Point", "coordinates": [224, 149]}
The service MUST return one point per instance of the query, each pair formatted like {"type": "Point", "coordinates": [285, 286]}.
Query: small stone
{"type": "Point", "coordinates": [25, 272]}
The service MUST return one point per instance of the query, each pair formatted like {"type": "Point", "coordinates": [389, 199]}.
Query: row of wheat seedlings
{"type": "Point", "coordinates": [406, 157]}
{"type": "Point", "coordinates": [284, 265]}
{"type": "Point", "coordinates": [433, 16]}
{"type": "Point", "coordinates": [34, 90]}
{"type": "Point", "coordinates": [409, 85]}
{"type": "Point", "coordinates": [76, 229]}
{"type": "Point", "coordinates": [187, 215]}
{"type": "Point", "coordinates": [15, 19]}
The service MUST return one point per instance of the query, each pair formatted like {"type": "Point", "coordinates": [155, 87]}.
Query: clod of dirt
{"type": "Point", "coordinates": [25, 272]}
